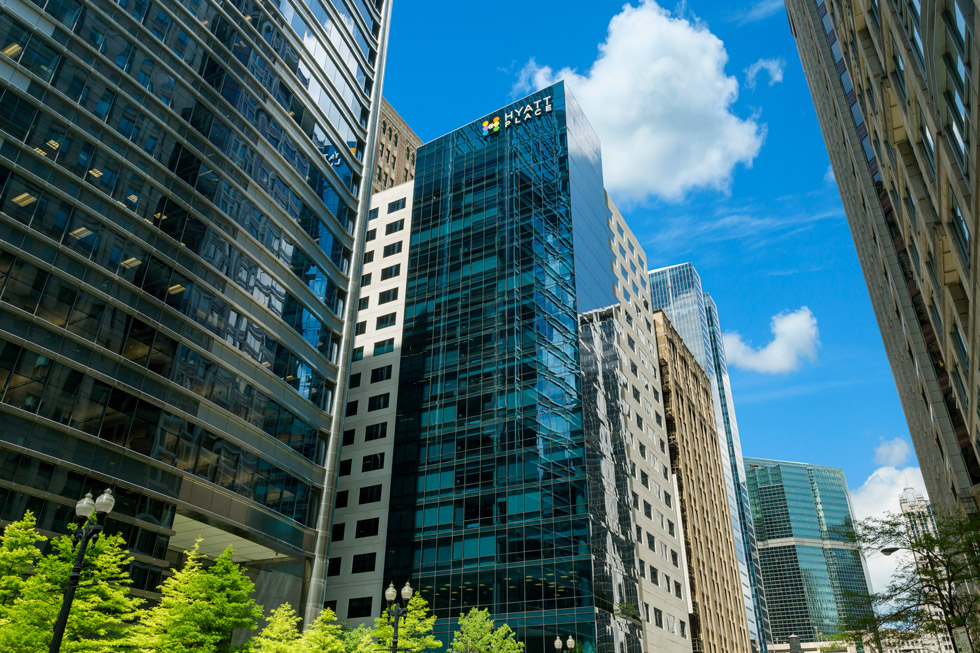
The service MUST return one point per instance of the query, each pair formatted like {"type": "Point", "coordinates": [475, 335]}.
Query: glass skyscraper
{"type": "Point", "coordinates": [494, 477]}
{"type": "Point", "coordinates": [678, 292]}
{"type": "Point", "coordinates": [802, 515]}
{"type": "Point", "coordinates": [180, 187]}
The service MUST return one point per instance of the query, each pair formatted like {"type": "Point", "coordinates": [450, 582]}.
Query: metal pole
{"type": "Point", "coordinates": [73, 578]}
{"type": "Point", "coordinates": [396, 610]}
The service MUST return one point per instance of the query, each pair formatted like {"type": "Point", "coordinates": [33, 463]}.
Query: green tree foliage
{"type": "Point", "coordinates": [281, 632]}
{"type": "Point", "coordinates": [359, 640]}
{"type": "Point", "coordinates": [101, 613]}
{"type": "Point", "coordinates": [930, 592]}
{"type": "Point", "coordinates": [19, 554]}
{"type": "Point", "coordinates": [324, 636]}
{"type": "Point", "coordinates": [477, 634]}
{"type": "Point", "coordinates": [415, 630]}
{"type": "Point", "coordinates": [200, 609]}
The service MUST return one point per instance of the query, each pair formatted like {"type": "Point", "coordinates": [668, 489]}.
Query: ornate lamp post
{"type": "Point", "coordinates": [83, 536]}
{"type": "Point", "coordinates": [395, 610]}
{"type": "Point", "coordinates": [570, 643]}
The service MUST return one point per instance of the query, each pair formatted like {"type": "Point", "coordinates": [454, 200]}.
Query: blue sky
{"type": "Point", "coordinates": [733, 176]}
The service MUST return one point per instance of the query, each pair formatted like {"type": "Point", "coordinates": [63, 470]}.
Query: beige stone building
{"type": "Point", "coordinates": [894, 86]}
{"type": "Point", "coordinates": [719, 623]}
{"type": "Point", "coordinates": [394, 162]}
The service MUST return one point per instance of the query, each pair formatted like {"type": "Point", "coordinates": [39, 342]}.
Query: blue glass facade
{"type": "Point", "coordinates": [179, 188]}
{"type": "Point", "coordinates": [495, 479]}
{"type": "Point", "coordinates": [678, 292]}
{"type": "Point", "coordinates": [802, 518]}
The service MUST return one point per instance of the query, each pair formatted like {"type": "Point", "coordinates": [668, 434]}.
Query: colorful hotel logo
{"type": "Point", "coordinates": [491, 126]}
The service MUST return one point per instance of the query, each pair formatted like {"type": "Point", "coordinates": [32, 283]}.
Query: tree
{"type": "Point", "coordinates": [324, 636]}
{"type": "Point", "coordinates": [414, 632]}
{"type": "Point", "coordinates": [281, 633]}
{"type": "Point", "coordinates": [200, 608]}
{"type": "Point", "coordinates": [103, 609]}
{"type": "Point", "coordinates": [934, 588]}
{"type": "Point", "coordinates": [477, 634]}
{"type": "Point", "coordinates": [359, 640]}
{"type": "Point", "coordinates": [19, 554]}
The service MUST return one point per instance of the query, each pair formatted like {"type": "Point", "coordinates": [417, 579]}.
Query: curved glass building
{"type": "Point", "coordinates": [180, 190]}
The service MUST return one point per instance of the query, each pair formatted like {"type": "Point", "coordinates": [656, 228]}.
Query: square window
{"type": "Point", "coordinates": [355, 381]}
{"type": "Point", "coordinates": [360, 328]}
{"type": "Point", "coordinates": [369, 494]}
{"type": "Point", "coordinates": [333, 567]}
{"type": "Point", "coordinates": [370, 235]}
{"type": "Point", "coordinates": [363, 303]}
{"type": "Point", "coordinates": [351, 408]}
{"type": "Point", "coordinates": [373, 462]}
{"type": "Point", "coordinates": [363, 562]}
{"type": "Point", "coordinates": [345, 467]}
{"type": "Point", "coordinates": [348, 437]}
{"type": "Point", "coordinates": [385, 321]}
{"type": "Point", "coordinates": [368, 256]}
{"type": "Point", "coordinates": [388, 296]}
{"type": "Point", "coordinates": [357, 354]}
{"type": "Point", "coordinates": [373, 213]}
{"type": "Point", "coordinates": [376, 431]}
{"type": "Point", "coordinates": [359, 608]}
{"type": "Point", "coordinates": [394, 227]}
{"type": "Point", "coordinates": [397, 205]}
{"type": "Point", "coordinates": [367, 527]}
{"type": "Point", "coordinates": [341, 501]}
{"type": "Point", "coordinates": [391, 272]}
{"type": "Point", "coordinates": [384, 347]}
{"type": "Point", "coordinates": [366, 280]}
{"type": "Point", "coordinates": [392, 249]}
{"type": "Point", "coordinates": [381, 374]}
{"type": "Point", "coordinates": [337, 533]}
{"type": "Point", "coordinates": [379, 402]}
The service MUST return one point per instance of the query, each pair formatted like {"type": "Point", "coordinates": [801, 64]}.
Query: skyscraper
{"type": "Point", "coordinates": [719, 616]}
{"type": "Point", "coordinates": [892, 84]}
{"type": "Point", "coordinates": [678, 292]}
{"type": "Point", "coordinates": [803, 517]}
{"type": "Point", "coordinates": [181, 184]}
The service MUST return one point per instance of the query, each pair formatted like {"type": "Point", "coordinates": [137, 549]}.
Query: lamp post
{"type": "Point", "coordinates": [84, 535]}
{"type": "Point", "coordinates": [395, 610]}
{"type": "Point", "coordinates": [945, 598]}
{"type": "Point", "coordinates": [570, 643]}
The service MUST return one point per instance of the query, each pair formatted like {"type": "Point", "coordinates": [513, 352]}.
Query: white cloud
{"type": "Point", "coordinates": [876, 496]}
{"type": "Point", "coordinates": [892, 453]}
{"type": "Point", "coordinates": [774, 67]}
{"type": "Point", "coordinates": [795, 336]}
{"type": "Point", "coordinates": [660, 102]}
{"type": "Point", "coordinates": [828, 177]}
{"type": "Point", "coordinates": [760, 11]}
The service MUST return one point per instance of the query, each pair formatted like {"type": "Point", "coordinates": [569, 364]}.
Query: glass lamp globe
{"type": "Point", "coordinates": [557, 643]}
{"type": "Point", "coordinates": [407, 592]}
{"type": "Point", "coordinates": [571, 643]}
{"type": "Point", "coordinates": [85, 506]}
{"type": "Point", "coordinates": [391, 593]}
{"type": "Point", "coordinates": [105, 503]}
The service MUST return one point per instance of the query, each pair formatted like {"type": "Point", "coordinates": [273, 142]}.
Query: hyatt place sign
{"type": "Point", "coordinates": [518, 115]}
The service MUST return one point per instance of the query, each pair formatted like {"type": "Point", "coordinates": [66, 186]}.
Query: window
{"type": "Point", "coordinates": [663, 446]}
{"type": "Point", "coordinates": [345, 467]}
{"type": "Point", "coordinates": [392, 249]}
{"type": "Point", "coordinates": [357, 354]}
{"type": "Point", "coordinates": [384, 347]}
{"type": "Point", "coordinates": [333, 567]}
{"type": "Point", "coordinates": [674, 559]}
{"type": "Point", "coordinates": [633, 368]}
{"type": "Point", "coordinates": [372, 462]}
{"type": "Point", "coordinates": [654, 575]}
{"type": "Point", "coordinates": [644, 479]}
{"type": "Point", "coordinates": [341, 501]}
{"type": "Point", "coordinates": [365, 279]}
{"type": "Point", "coordinates": [363, 303]}
{"type": "Point", "coordinates": [369, 494]}
{"type": "Point", "coordinates": [391, 272]}
{"type": "Point", "coordinates": [385, 321]}
{"type": "Point", "coordinates": [367, 527]}
{"type": "Point", "coordinates": [636, 394]}
{"type": "Point", "coordinates": [665, 472]}
{"type": "Point", "coordinates": [683, 629]}
{"type": "Point", "coordinates": [358, 608]}
{"type": "Point", "coordinates": [351, 408]}
{"type": "Point", "coordinates": [370, 235]}
{"type": "Point", "coordinates": [397, 205]}
{"type": "Point", "coordinates": [373, 213]}
{"type": "Point", "coordinates": [381, 374]}
{"type": "Point", "coordinates": [348, 437]}
{"type": "Point", "coordinates": [658, 617]}
{"type": "Point", "coordinates": [337, 533]}
{"type": "Point", "coordinates": [378, 402]}
{"type": "Point", "coordinates": [394, 227]}
{"type": "Point", "coordinates": [355, 380]}
{"type": "Point", "coordinates": [651, 543]}
{"type": "Point", "coordinates": [360, 328]}
{"type": "Point", "coordinates": [667, 499]}
{"type": "Point", "coordinates": [647, 510]}
{"type": "Point", "coordinates": [677, 589]}
{"type": "Point", "coordinates": [670, 527]}
{"type": "Point", "coordinates": [376, 431]}
{"type": "Point", "coordinates": [388, 296]}
{"type": "Point", "coordinates": [368, 257]}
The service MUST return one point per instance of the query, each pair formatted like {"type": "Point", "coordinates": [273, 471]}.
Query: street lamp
{"type": "Point", "coordinates": [570, 643]}
{"type": "Point", "coordinates": [395, 610]}
{"type": "Point", "coordinates": [85, 534]}
{"type": "Point", "coordinates": [942, 596]}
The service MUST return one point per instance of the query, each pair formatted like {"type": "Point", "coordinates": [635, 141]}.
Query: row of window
{"type": "Point", "coordinates": [380, 348]}
{"type": "Point", "coordinates": [371, 462]}
{"type": "Point", "coordinates": [34, 383]}
{"type": "Point", "coordinates": [378, 374]}
{"type": "Point", "coordinates": [375, 402]}
{"type": "Point", "coordinates": [64, 305]}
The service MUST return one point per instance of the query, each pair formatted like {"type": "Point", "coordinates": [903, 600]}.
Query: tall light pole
{"type": "Point", "coordinates": [84, 535]}
{"type": "Point", "coordinates": [395, 610]}
{"type": "Point", "coordinates": [570, 643]}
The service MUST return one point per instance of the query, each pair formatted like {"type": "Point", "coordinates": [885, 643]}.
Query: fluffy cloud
{"type": "Point", "coordinates": [828, 176]}
{"type": "Point", "coordinates": [774, 67]}
{"type": "Point", "coordinates": [795, 336]}
{"type": "Point", "coordinates": [892, 453]}
{"type": "Point", "coordinates": [878, 495]}
{"type": "Point", "coordinates": [661, 103]}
